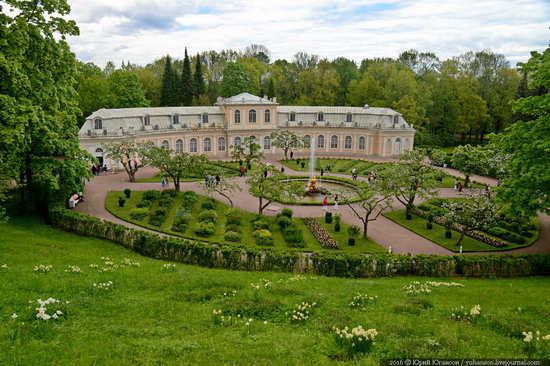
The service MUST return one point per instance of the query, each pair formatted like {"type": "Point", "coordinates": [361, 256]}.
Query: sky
{"type": "Point", "coordinates": [141, 31]}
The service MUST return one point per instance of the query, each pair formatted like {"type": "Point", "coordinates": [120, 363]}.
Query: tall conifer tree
{"type": "Point", "coordinates": [198, 78]}
{"type": "Point", "coordinates": [186, 83]}
{"type": "Point", "coordinates": [168, 91]}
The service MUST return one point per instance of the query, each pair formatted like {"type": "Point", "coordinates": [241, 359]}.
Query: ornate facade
{"type": "Point", "coordinates": [348, 131]}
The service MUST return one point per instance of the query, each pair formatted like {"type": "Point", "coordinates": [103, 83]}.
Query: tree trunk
{"type": "Point", "coordinates": [408, 209]}
{"type": "Point", "coordinates": [461, 237]}
{"type": "Point", "coordinates": [260, 208]}
{"type": "Point", "coordinates": [286, 154]}
{"type": "Point", "coordinates": [176, 184]}
{"type": "Point", "coordinates": [365, 228]}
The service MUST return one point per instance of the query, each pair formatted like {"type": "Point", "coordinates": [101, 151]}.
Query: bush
{"type": "Point", "coordinates": [448, 234]}
{"type": "Point", "coordinates": [183, 218]}
{"type": "Point", "coordinates": [429, 225]}
{"type": "Point", "coordinates": [354, 231]}
{"type": "Point", "coordinates": [506, 235]}
{"type": "Point", "coordinates": [263, 237]}
{"type": "Point", "coordinates": [204, 229]}
{"type": "Point", "coordinates": [328, 217]}
{"type": "Point", "coordinates": [208, 216]}
{"type": "Point", "coordinates": [232, 236]}
{"type": "Point", "coordinates": [302, 164]}
{"type": "Point", "coordinates": [150, 195]}
{"type": "Point", "coordinates": [168, 193]}
{"type": "Point", "coordinates": [233, 216]}
{"type": "Point", "coordinates": [209, 204]}
{"type": "Point", "coordinates": [121, 202]}
{"type": "Point", "coordinates": [287, 212]}
{"type": "Point", "coordinates": [233, 227]}
{"type": "Point", "coordinates": [139, 213]}
{"type": "Point", "coordinates": [337, 227]}
{"type": "Point", "coordinates": [179, 227]}
{"type": "Point", "coordinates": [351, 241]}
{"type": "Point", "coordinates": [294, 237]}
{"type": "Point", "coordinates": [127, 192]}
{"type": "Point", "coordinates": [143, 203]}
{"type": "Point", "coordinates": [157, 217]}
{"type": "Point", "coordinates": [284, 222]}
{"type": "Point", "coordinates": [260, 224]}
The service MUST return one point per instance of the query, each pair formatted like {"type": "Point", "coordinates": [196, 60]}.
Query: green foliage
{"type": "Point", "coordinates": [248, 150]}
{"type": "Point", "coordinates": [286, 140]}
{"type": "Point", "coordinates": [354, 231]}
{"type": "Point", "coordinates": [232, 236]}
{"type": "Point", "coordinates": [260, 224]}
{"type": "Point", "coordinates": [287, 212]}
{"type": "Point", "coordinates": [121, 201]}
{"type": "Point", "coordinates": [470, 160]}
{"type": "Point", "coordinates": [186, 82]}
{"type": "Point", "coordinates": [284, 221]}
{"type": "Point", "coordinates": [294, 237]}
{"type": "Point", "coordinates": [208, 216]}
{"type": "Point", "coordinates": [127, 192]}
{"type": "Point", "coordinates": [233, 217]}
{"type": "Point", "coordinates": [263, 237]}
{"type": "Point", "coordinates": [209, 204]}
{"type": "Point", "coordinates": [182, 220]}
{"type": "Point", "coordinates": [139, 213]}
{"type": "Point", "coordinates": [157, 216]}
{"type": "Point", "coordinates": [150, 195]}
{"type": "Point", "coordinates": [125, 153]}
{"type": "Point", "coordinates": [337, 227]}
{"type": "Point", "coordinates": [328, 217]}
{"type": "Point", "coordinates": [235, 80]}
{"type": "Point", "coordinates": [169, 88]}
{"type": "Point", "coordinates": [204, 228]}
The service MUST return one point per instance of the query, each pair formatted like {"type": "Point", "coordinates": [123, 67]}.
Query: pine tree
{"type": "Point", "coordinates": [270, 89]}
{"type": "Point", "coordinates": [168, 91]}
{"type": "Point", "coordinates": [186, 83]}
{"type": "Point", "coordinates": [198, 78]}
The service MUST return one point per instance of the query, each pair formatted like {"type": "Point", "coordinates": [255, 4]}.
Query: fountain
{"type": "Point", "coordinates": [312, 187]}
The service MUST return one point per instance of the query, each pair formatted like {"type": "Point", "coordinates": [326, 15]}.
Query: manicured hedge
{"type": "Point", "coordinates": [328, 264]}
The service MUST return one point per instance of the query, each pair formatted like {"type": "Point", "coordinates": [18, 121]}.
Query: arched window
{"type": "Point", "coordinates": [267, 143]}
{"type": "Point", "coordinates": [99, 151]}
{"type": "Point", "coordinates": [320, 116]}
{"type": "Point", "coordinates": [175, 119]}
{"type": "Point", "coordinates": [237, 116]}
{"type": "Point", "coordinates": [267, 116]}
{"type": "Point", "coordinates": [321, 142]}
{"type": "Point", "coordinates": [221, 144]}
{"type": "Point", "coordinates": [237, 141]}
{"type": "Point", "coordinates": [362, 143]}
{"type": "Point", "coordinates": [98, 124]}
{"type": "Point", "coordinates": [252, 116]}
{"type": "Point", "coordinates": [165, 144]}
{"type": "Point", "coordinates": [334, 142]}
{"type": "Point", "coordinates": [307, 141]}
{"type": "Point", "coordinates": [207, 145]}
{"type": "Point", "coordinates": [205, 118]}
{"type": "Point", "coordinates": [147, 121]}
{"type": "Point", "coordinates": [347, 142]}
{"type": "Point", "coordinates": [179, 146]}
{"type": "Point", "coordinates": [349, 117]}
{"type": "Point", "coordinates": [292, 117]}
{"type": "Point", "coordinates": [397, 146]}
{"type": "Point", "coordinates": [193, 145]}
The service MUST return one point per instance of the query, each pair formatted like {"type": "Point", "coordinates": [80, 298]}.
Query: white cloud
{"type": "Point", "coordinates": [143, 30]}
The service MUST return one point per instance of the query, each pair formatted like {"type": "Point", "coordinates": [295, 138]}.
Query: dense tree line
{"type": "Point", "coordinates": [464, 97]}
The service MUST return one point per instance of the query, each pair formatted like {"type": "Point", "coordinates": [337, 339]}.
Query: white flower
{"type": "Point", "coordinates": [14, 316]}
{"type": "Point", "coordinates": [265, 322]}
{"type": "Point", "coordinates": [58, 312]}
{"type": "Point", "coordinates": [528, 337]}
{"type": "Point", "coordinates": [546, 337]}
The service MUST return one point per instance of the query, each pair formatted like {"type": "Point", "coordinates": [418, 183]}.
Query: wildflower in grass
{"type": "Point", "coordinates": [536, 344]}
{"type": "Point", "coordinates": [416, 288]}
{"type": "Point", "coordinates": [444, 284]}
{"type": "Point", "coordinates": [263, 283]}
{"type": "Point", "coordinates": [168, 267]}
{"type": "Point", "coordinates": [229, 294]}
{"type": "Point", "coordinates": [296, 278]}
{"type": "Point", "coordinates": [42, 313]}
{"type": "Point", "coordinates": [4, 267]}
{"type": "Point", "coordinates": [433, 343]}
{"type": "Point", "coordinates": [129, 262]}
{"type": "Point", "coordinates": [104, 286]}
{"type": "Point", "coordinates": [362, 300]}
{"type": "Point", "coordinates": [43, 268]}
{"type": "Point", "coordinates": [356, 341]}
{"type": "Point", "coordinates": [73, 269]}
{"type": "Point", "coordinates": [14, 316]}
{"type": "Point", "coordinates": [302, 313]}
{"type": "Point", "coordinates": [93, 265]}
{"type": "Point", "coordinates": [461, 314]}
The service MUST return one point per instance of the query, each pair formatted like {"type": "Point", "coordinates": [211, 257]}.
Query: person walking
{"type": "Point", "coordinates": [291, 154]}
{"type": "Point", "coordinates": [241, 171]}
{"type": "Point", "coordinates": [162, 182]}
{"type": "Point", "coordinates": [218, 180]}
{"type": "Point", "coordinates": [336, 202]}
{"type": "Point", "coordinates": [94, 170]}
{"type": "Point", "coordinates": [322, 172]}
{"type": "Point", "coordinates": [325, 204]}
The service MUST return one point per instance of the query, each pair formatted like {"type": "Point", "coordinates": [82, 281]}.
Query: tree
{"type": "Point", "coordinates": [132, 156]}
{"type": "Point", "coordinates": [410, 178]}
{"type": "Point", "coordinates": [305, 60]}
{"type": "Point", "coordinates": [176, 165]}
{"type": "Point", "coordinates": [248, 150]}
{"type": "Point", "coordinates": [38, 104]}
{"type": "Point", "coordinates": [168, 91]}
{"type": "Point", "coordinates": [473, 214]}
{"type": "Point", "coordinates": [186, 82]}
{"type": "Point", "coordinates": [225, 187]}
{"type": "Point", "coordinates": [526, 190]}
{"type": "Point", "coordinates": [235, 80]}
{"type": "Point", "coordinates": [125, 90]}
{"type": "Point", "coordinates": [347, 71]}
{"type": "Point", "coordinates": [286, 140]}
{"type": "Point", "coordinates": [198, 79]}
{"type": "Point", "coordinates": [470, 160]}
{"type": "Point", "coordinates": [271, 89]}
{"type": "Point", "coordinates": [259, 52]}
{"type": "Point", "coordinates": [268, 185]}
{"type": "Point", "coordinates": [374, 198]}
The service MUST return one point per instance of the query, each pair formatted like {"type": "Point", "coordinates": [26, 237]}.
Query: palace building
{"type": "Point", "coordinates": [211, 130]}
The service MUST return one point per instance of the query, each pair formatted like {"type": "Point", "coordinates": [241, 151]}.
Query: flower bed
{"type": "Point", "coordinates": [321, 234]}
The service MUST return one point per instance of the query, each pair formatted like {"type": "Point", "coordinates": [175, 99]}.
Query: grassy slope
{"type": "Point", "coordinates": [156, 317]}
{"type": "Point", "coordinates": [247, 230]}
{"type": "Point", "coordinates": [437, 234]}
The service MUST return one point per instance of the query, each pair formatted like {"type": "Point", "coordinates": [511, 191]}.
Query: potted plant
{"type": "Point", "coordinates": [328, 217]}
{"type": "Point", "coordinates": [429, 224]}
{"type": "Point", "coordinates": [353, 232]}
{"type": "Point", "coordinates": [127, 192]}
{"type": "Point", "coordinates": [121, 202]}
{"type": "Point", "coordinates": [337, 221]}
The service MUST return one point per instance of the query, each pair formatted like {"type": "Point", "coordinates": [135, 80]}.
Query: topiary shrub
{"type": "Point", "coordinates": [351, 241]}
{"type": "Point", "coordinates": [337, 227]}
{"type": "Point", "coordinates": [294, 237]}
{"type": "Point", "coordinates": [448, 234]}
{"type": "Point", "coordinates": [121, 202]}
{"type": "Point", "coordinates": [139, 213]}
{"type": "Point", "coordinates": [232, 236]}
{"type": "Point", "coordinates": [263, 237]}
{"type": "Point", "coordinates": [303, 164]}
{"type": "Point", "coordinates": [284, 222]}
{"type": "Point", "coordinates": [183, 218]}
{"type": "Point", "coordinates": [233, 227]}
{"type": "Point", "coordinates": [169, 193]}
{"type": "Point", "coordinates": [150, 195]}
{"type": "Point", "coordinates": [260, 225]}
{"type": "Point", "coordinates": [287, 212]}
{"type": "Point", "coordinates": [157, 217]}
{"type": "Point", "coordinates": [143, 203]}
{"type": "Point", "coordinates": [208, 216]}
{"type": "Point", "coordinates": [233, 216]}
{"type": "Point", "coordinates": [204, 229]}
{"type": "Point", "coordinates": [209, 204]}
{"type": "Point", "coordinates": [328, 217]}
{"type": "Point", "coordinates": [127, 192]}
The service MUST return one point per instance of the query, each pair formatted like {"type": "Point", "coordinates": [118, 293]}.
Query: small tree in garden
{"type": "Point", "coordinates": [474, 214]}
{"type": "Point", "coordinates": [374, 199]}
{"type": "Point", "coordinates": [353, 232]}
{"type": "Point", "coordinates": [248, 150]}
{"type": "Point", "coordinates": [267, 184]}
{"type": "Point", "coordinates": [224, 187]}
{"type": "Point", "coordinates": [470, 160]}
{"type": "Point", "coordinates": [131, 155]}
{"type": "Point", "coordinates": [176, 165]}
{"type": "Point", "coordinates": [286, 140]}
{"type": "Point", "coordinates": [410, 178]}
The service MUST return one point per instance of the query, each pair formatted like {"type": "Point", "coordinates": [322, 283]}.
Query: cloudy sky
{"type": "Point", "coordinates": [143, 30]}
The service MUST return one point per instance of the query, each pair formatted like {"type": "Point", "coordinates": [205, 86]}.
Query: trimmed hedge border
{"type": "Point", "coordinates": [321, 263]}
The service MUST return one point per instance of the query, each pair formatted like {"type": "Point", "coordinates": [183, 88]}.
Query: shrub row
{"type": "Point", "coordinates": [165, 200]}
{"type": "Point", "coordinates": [233, 222]}
{"type": "Point", "coordinates": [183, 215]}
{"type": "Point", "coordinates": [321, 234]}
{"type": "Point", "coordinates": [328, 264]}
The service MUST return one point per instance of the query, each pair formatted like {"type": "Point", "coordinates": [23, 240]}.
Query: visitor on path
{"type": "Point", "coordinates": [291, 154]}
{"type": "Point", "coordinates": [282, 169]}
{"type": "Point", "coordinates": [98, 169]}
{"type": "Point", "coordinates": [460, 187]}
{"type": "Point", "coordinates": [94, 170]}
{"type": "Point", "coordinates": [322, 172]}
{"type": "Point", "coordinates": [325, 204]}
{"type": "Point", "coordinates": [162, 182]}
{"type": "Point", "coordinates": [336, 202]}
{"type": "Point", "coordinates": [218, 180]}
{"type": "Point", "coordinates": [488, 191]}
{"type": "Point", "coordinates": [456, 185]}
{"type": "Point", "coordinates": [241, 171]}
{"type": "Point", "coordinates": [167, 181]}
{"type": "Point", "coordinates": [354, 173]}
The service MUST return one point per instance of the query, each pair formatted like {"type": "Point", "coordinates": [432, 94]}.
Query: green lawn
{"type": "Point", "coordinates": [226, 168]}
{"type": "Point", "coordinates": [361, 245]}
{"type": "Point", "coordinates": [248, 239]}
{"type": "Point", "coordinates": [437, 234]}
{"type": "Point", "coordinates": [153, 316]}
